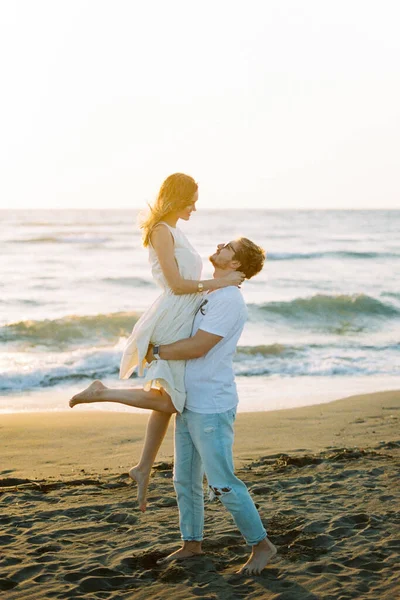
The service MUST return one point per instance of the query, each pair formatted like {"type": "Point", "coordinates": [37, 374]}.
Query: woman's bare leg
{"type": "Point", "coordinates": [153, 399]}
{"type": "Point", "coordinates": [162, 406]}
{"type": "Point", "coordinates": [156, 429]}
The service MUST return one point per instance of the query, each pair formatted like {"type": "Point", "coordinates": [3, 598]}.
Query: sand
{"type": "Point", "coordinates": [325, 480]}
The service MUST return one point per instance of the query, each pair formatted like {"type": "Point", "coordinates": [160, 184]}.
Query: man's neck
{"type": "Point", "coordinates": [218, 273]}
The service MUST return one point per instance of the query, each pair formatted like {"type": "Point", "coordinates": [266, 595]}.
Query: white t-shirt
{"type": "Point", "coordinates": [209, 380]}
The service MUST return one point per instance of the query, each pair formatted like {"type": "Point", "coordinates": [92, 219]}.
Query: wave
{"type": "Point", "coordinates": [322, 361]}
{"type": "Point", "coordinates": [271, 350]}
{"type": "Point", "coordinates": [69, 239]}
{"type": "Point", "coordinates": [76, 366]}
{"type": "Point", "coordinates": [395, 295]}
{"type": "Point", "coordinates": [83, 365]}
{"type": "Point", "coordinates": [300, 370]}
{"type": "Point", "coordinates": [329, 308]}
{"type": "Point", "coordinates": [130, 281]}
{"type": "Point", "coordinates": [329, 254]}
{"type": "Point", "coordinates": [60, 223]}
{"type": "Point", "coordinates": [282, 351]}
{"type": "Point", "coordinates": [21, 301]}
{"type": "Point", "coordinates": [341, 314]}
{"type": "Point", "coordinates": [70, 330]}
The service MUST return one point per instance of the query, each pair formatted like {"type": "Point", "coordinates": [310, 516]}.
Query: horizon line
{"type": "Point", "coordinates": [248, 208]}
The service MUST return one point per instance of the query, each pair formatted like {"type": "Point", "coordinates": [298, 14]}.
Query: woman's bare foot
{"type": "Point", "coordinates": [142, 480]}
{"type": "Point", "coordinates": [188, 550]}
{"type": "Point", "coordinates": [90, 394]}
{"type": "Point", "coordinates": [261, 555]}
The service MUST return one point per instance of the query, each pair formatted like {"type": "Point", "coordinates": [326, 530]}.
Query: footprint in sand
{"type": "Point", "coordinates": [7, 584]}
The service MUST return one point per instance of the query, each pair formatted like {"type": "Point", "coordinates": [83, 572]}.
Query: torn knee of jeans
{"type": "Point", "coordinates": [217, 492]}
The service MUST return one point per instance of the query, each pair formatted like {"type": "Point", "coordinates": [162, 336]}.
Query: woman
{"type": "Point", "coordinates": [176, 267]}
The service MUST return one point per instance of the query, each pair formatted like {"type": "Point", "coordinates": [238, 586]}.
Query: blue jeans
{"type": "Point", "coordinates": [203, 444]}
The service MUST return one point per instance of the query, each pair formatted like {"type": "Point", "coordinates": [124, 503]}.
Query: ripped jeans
{"type": "Point", "coordinates": [203, 444]}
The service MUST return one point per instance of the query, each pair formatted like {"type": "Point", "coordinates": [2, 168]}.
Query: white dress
{"type": "Point", "coordinates": [169, 319]}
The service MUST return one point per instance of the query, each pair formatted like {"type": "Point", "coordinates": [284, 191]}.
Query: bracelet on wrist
{"type": "Point", "coordinates": [200, 287]}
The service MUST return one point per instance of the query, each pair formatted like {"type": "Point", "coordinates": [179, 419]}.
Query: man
{"type": "Point", "coordinates": [204, 430]}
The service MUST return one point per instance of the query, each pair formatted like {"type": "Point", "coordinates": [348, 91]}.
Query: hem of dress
{"type": "Point", "coordinates": [160, 383]}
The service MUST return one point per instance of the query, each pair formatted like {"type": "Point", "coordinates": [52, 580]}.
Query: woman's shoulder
{"type": "Point", "coordinates": [162, 226]}
{"type": "Point", "coordinates": [164, 223]}
{"type": "Point", "coordinates": [161, 230]}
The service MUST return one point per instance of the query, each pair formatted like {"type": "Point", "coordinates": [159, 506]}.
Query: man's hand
{"type": "Point", "coordinates": [188, 348]}
{"type": "Point", "coordinates": [149, 355]}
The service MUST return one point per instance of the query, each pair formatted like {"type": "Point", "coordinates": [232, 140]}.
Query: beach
{"type": "Point", "coordinates": [324, 478]}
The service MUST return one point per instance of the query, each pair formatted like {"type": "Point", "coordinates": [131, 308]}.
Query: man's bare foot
{"type": "Point", "coordinates": [90, 394]}
{"type": "Point", "coordinates": [261, 555]}
{"type": "Point", "coordinates": [188, 550]}
{"type": "Point", "coordinates": [142, 480]}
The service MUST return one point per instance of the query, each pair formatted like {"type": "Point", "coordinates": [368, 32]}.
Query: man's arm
{"type": "Point", "coordinates": [193, 347]}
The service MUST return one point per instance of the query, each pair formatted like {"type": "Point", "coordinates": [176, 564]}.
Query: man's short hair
{"type": "Point", "coordinates": [250, 256]}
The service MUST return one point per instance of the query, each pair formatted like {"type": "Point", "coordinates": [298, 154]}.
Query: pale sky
{"type": "Point", "coordinates": [266, 103]}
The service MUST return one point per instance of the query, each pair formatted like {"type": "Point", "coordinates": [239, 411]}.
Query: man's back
{"type": "Point", "coordinates": [209, 380]}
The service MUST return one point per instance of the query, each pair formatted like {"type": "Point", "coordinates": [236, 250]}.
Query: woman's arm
{"type": "Point", "coordinates": [163, 244]}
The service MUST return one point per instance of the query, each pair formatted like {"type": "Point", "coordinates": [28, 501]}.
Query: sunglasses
{"type": "Point", "coordinates": [230, 247]}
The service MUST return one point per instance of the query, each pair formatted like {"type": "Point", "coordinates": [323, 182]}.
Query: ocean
{"type": "Point", "coordinates": [324, 314]}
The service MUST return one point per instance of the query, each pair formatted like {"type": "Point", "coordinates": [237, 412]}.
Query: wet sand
{"type": "Point", "coordinates": [325, 480]}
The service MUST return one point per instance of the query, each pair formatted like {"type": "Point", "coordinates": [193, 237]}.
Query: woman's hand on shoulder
{"type": "Point", "coordinates": [234, 278]}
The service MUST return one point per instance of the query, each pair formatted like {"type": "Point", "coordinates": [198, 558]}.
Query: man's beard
{"type": "Point", "coordinates": [218, 262]}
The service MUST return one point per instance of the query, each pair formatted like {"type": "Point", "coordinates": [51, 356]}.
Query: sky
{"type": "Point", "coordinates": [266, 103]}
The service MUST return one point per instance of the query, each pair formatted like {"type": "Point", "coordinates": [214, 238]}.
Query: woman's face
{"type": "Point", "coordinates": [186, 212]}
